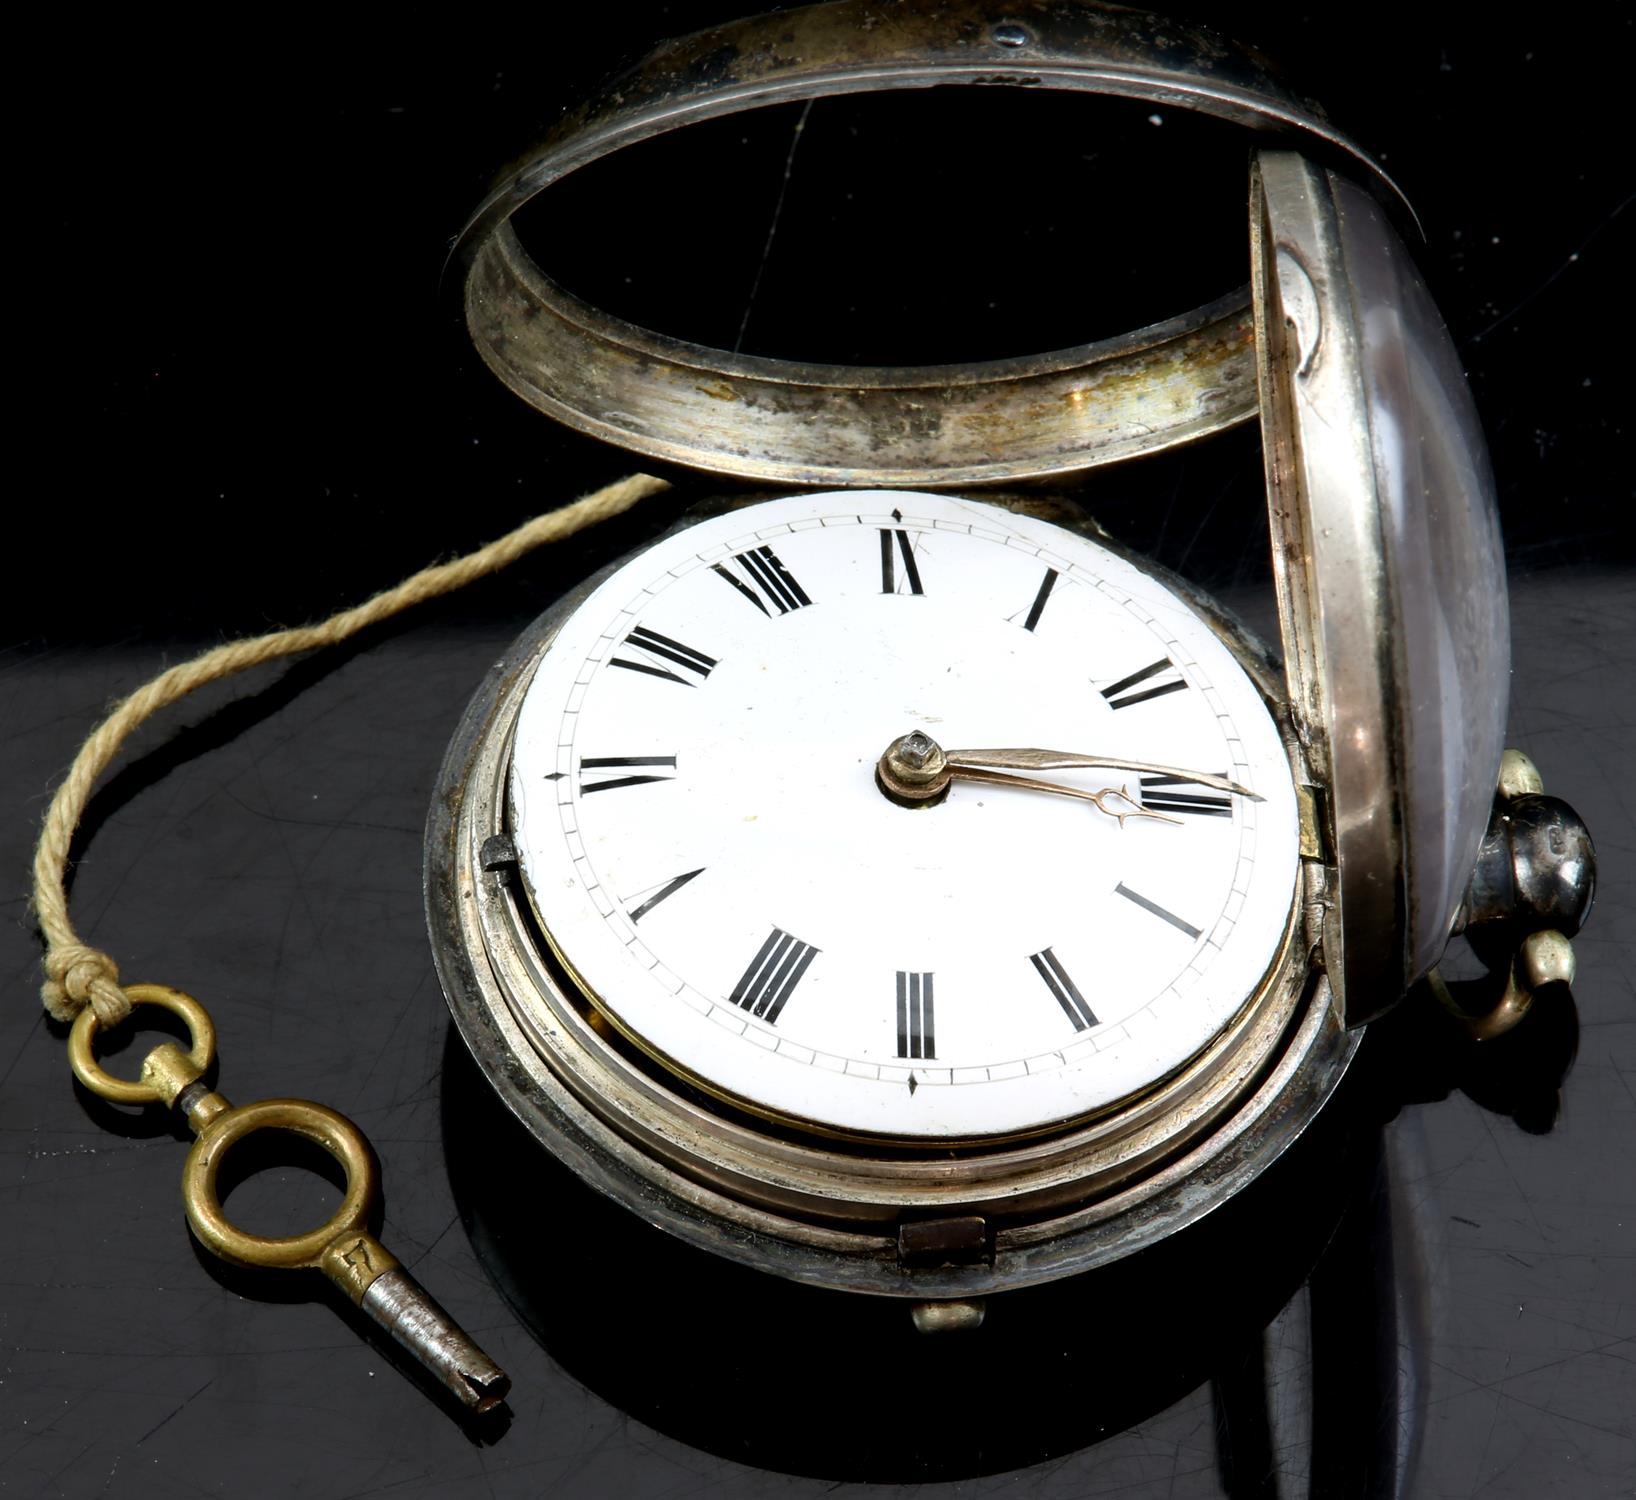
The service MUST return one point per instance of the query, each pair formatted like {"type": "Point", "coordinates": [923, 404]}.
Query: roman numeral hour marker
{"type": "Point", "coordinates": [1153, 906]}
{"type": "Point", "coordinates": [765, 987]}
{"type": "Point", "coordinates": [1037, 608]}
{"type": "Point", "coordinates": [888, 571]}
{"type": "Point", "coordinates": [763, 579]}
{"type": "Point", "coordinates": [656, 650]}
{"type": "Point", "coordinates": [1074, 1006]}
{"type": "Point", "coordinates": [669, 888]}
{"type": "Point", "coordinates": [598, 773]}
{"type": "Point", "coordinates": [1153, 681]}
{"type": "Point", "coordinates": [917, 1033]}
{"type": "Point", "coordinates": [1157, 797]}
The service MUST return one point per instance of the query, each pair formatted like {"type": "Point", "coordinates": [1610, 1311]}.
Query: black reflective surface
{"type": "Point", "coordinates": [260, 410]}
{"type": "Point", "coordinates": [1302, 1277]}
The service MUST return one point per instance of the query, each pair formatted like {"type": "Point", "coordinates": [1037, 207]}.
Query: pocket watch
{"type": "Point", "coordinates": [896, 885]}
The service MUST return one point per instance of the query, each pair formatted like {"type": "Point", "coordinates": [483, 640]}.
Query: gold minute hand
{"type": "Point", "coordinates": [1061, 760]}
{"type": "Point", "coordinates": [915, 770]}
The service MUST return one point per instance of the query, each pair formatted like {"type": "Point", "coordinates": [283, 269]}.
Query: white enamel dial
{"type": "Point", "coordinates": [694, 800]}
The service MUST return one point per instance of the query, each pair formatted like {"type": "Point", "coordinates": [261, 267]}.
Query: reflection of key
{"type": "Point", "coordinates": [341, 1248]}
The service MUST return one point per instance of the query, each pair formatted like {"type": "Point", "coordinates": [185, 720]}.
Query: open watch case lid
{"type": "Point", "coordinates": [788, 422]}
{"type": "Point", "coordinates": [1386, 549]}
{"type": "Point", "coordinates": [1390, 574]}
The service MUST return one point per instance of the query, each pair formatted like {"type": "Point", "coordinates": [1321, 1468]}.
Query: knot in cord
{"type": "Point", "coordinates": [81, 976]}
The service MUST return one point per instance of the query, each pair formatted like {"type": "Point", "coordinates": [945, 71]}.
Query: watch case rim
{"type": "Point", "coordinates": [775, 421]}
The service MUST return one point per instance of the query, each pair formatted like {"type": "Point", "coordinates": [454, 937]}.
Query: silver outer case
{"type": "Point", "coordinates": [828, 1212]}
{"type": "Point", "coordinates": [778, 421]}
{"type": "Point", "coordinates": [1389, 570]}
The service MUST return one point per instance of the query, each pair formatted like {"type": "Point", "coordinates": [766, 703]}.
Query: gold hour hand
{"type": "Point", "coordinates": [1133, 808]}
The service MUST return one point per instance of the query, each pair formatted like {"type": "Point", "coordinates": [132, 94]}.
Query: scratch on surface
{"type": "Point", "coordinates": [300, 894]}
{"type": "Point", "coordinates": [410, 1002]}
{"type": "Point", "coordinates": [99, 1147]}
{"type": "Point", "coordinates": [1521, 1192]}
{"type": "Point", "coordinates": [1562, 1416]}
{"type": "Point", "coordinates": [436, 1240]}
{"type": "Point", "coordinates": [151, 832]}
{"type": "Point", "coordinates": [331, 824]}
{"type": "Point", "coordinates": [772, 228]}
{"type": "Point", "coordinates": [1498, 1384]}
{"type": "Point", "coordinates": [28, 1037]}
{"type": "Point", "coordinates": [175, 1411]}
{"type": "Point", "coordinates": [1554, 277]}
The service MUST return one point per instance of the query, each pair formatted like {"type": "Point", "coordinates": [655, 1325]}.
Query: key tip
{"type": "Point", "coordinates": [487, 1394]}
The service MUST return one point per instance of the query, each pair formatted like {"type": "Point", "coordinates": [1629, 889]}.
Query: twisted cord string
{"type": "Point", "coordinates": [78, 974]}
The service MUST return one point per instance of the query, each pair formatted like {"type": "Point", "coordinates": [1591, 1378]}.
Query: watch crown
{"type": "Point", "coordinates": [1536, 867]}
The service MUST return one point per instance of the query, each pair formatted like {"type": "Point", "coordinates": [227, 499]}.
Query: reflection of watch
{"type": "Point", "coordinates": [723, 903]}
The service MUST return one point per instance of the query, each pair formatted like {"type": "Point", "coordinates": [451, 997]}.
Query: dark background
{"type": "Point", "coordinates": [246, 402]}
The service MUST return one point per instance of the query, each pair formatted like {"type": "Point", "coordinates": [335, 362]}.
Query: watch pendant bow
{"type": "Point", "coordinates": [913, 892]}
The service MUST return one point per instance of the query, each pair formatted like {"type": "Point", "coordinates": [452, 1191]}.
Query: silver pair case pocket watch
{"type": "Point", "coordinates": [891, 883]}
